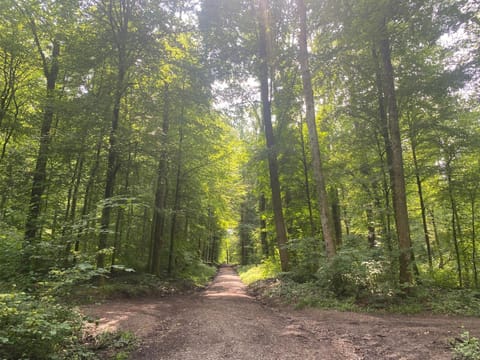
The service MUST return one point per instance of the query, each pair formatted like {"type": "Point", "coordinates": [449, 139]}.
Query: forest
{"type": "Point", "coordinates": [330, 143]}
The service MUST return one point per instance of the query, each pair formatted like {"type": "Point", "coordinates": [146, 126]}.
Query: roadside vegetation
{"type": "Point", "coordinates": [342, 286]}
{"type": "Point", "coordinates": [39, 319]}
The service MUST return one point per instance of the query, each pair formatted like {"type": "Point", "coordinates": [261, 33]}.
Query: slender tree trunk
{"type": "Point", "coordinates": [307, 182]}
{"type": "Point", "coordinates": [9, 132]}
{"type": "Point", "coordinates": [158, 222]}
{"type": "Point", "coordinates": [422, 202]}
{"type": "Point", "coordinates": [328, 229]}
{"type": "Point", "coordinates": [336, 215]}
{"type": "Point", "coordinates": [119, 227]}
{"type": "Point", "coordinates": [112, 167]}
{"type": "Point", "coordinates": [474, 239]}
{"type": "Point", "coordinates": [87, 193]}
{"type": "Point", "coordinates": [71, 210]}
{"type": "Point", "coordinates": [119, 19]}
{"type": "Point", "coordinates": [437, 240]}
{"type": "Point", "coordinates": [176, 200]}
{"type": "Point", "coordinates": [455, 227]}
{"type": "Point", "coordinates": [39, 183]}
{"type": "Point", "coordinates": [398, 178]}
{"type": "Point", "coordinates": [281, 230]}
{"type": "Point", "coordinates": [371, 226]}
{"type": "Point", "coordinates": [263, 225]}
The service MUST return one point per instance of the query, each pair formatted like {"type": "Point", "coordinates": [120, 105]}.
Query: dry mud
{"type": "Point", "coordinates": [224, 322]}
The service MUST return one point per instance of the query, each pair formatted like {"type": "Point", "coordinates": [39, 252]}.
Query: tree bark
{"type": "Point", "coordinates": [119, 19]}
{"type": "Point", "coordinates": [176, 201]}
{"type": "Point", "coordinates": [328, 230]}
{"type": "Point", "coordinates": [39, 182]}
{"type": "Point", "coordinates": [474, 239]}
{"type": "Point", "coordinates": [387, 158]}
{"type": "Point", "coordinates": [281, 230]}
{"type": "Point", "coordinates": [422, 201]}
{"type": "Point", "coordinates": [437, 240]}
{"type": "Point", "coordinates": [263, 225]}
{"type": "Point", "coordinates": [398, 177]}
{"type": "Point", "coordinates": [158, 222]}
{"type": "Point", "coordinates": [307, 182]}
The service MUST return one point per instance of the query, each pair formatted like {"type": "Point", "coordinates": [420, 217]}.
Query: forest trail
{"type": "Point", "coordinates": [224, 322]}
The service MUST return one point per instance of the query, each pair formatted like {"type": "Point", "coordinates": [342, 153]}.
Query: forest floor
{"type": "Point", "coordinates": [225, 322]}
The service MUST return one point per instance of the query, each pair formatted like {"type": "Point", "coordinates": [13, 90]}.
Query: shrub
{"type": "Point", "coordinates": [352, 273]}
{"type": "Point", "coordinates": [466, 348]}
{"type": "Point", "coordinates": [32, 328]}
{"type": "Point", "coordinates": [198, 272]}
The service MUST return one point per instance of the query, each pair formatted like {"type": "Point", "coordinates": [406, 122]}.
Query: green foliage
{"type": "Point", "coordinates": [60, 282]}
{"type": "Point", "coordinates": [10, 252]}
{"type": "Point", "coordinates": [198, 272]}
{"type": "Point", "coordinates": [37, 328]}
{"type": "Point", "coordinates": [353, 272]}
{"type": "Point", "coordinates": [466, 348]}
{"type": "Point", "coordinates": [454, 302]}
{"type": "Point", "coordinates": [269, 268]}
{"type": "Point", "coordinates": [114, 345]}
{"type": "Point", "coordinates": [306, 255]}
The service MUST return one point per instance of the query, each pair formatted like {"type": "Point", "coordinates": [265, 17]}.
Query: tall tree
{"type": "Point", "coordinates": [318, 171]}
{"type": "Point", "coordinates": [398, 177]}
{"type": "Point", "coordinates": [263, 54]}
{"type": "Point", "coordinates": [50, 68]}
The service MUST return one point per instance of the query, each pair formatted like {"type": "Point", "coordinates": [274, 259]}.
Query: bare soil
{"type": "Point", "coordinates": [225, 322]}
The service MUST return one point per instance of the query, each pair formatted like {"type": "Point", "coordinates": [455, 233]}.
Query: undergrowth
{"type": "Point", "coordinates": [357, 285]}
{"type": "Point", "coordinates": [37, 320]}
{"type": "Point", "coordinates": [466, 347]}
{"type": "Point", "coordinates": [266, 270]}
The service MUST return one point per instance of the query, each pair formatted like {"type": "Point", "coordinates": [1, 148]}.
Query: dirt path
{"type": "Point", "coordinates": [224, 322]}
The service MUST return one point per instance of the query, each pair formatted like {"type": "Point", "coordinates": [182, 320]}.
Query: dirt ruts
{"type": "Point", "coordinates": [224, 322]}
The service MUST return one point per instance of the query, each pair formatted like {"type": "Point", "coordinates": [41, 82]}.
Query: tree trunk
{"type": "Point", "coordinates": [328, 230]}
{"type": "Point", "coordinates": [370, 226]}
{"type": "Point", "coordinates": [176, 201]}
{"type": "Point", "coordinates": [117, 242]}
{"type": "Point", "coordinates": [474, 240]}
{"type": "Point", "coordinates": [307, 182]}
{"type": "Point", "coordinates": [398, 178]}
{"type": "Point", "coordinates": [87, 194]}
{"type": "Point", "coordinates": [71, 210]}
{"type": "Point", "coordinates": [387, 161]}
{"type": "Point", "coordinates": [422, 202]}
{"type": "Point", "coordinates": [263, 225]}
{"type": "Point", "coordinates": [158, 222]}
{"type": "Point", "coordinates": [437, 240]}
{"type": "Point", "coordinates": [281, 230]}
{"type": "Point", "coordinates": [39, 183]}
{"type": "Point", "coordinates": [119, 19]}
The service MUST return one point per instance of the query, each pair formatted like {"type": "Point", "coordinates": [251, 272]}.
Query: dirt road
{"type": "Point", "coordinates": [224, 322]}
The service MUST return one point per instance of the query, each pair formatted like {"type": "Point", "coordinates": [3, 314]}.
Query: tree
{"type": "Point", "coordinates": [50, 67]}
{"type": "Point", "coordinates": [323, 201]}
{"type": "Point", "coordinates": [263, 46]}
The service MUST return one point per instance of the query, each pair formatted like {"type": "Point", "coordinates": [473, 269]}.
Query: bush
{"type": "Point", "coordinates": [198, 272]}
{"type": "Point", "coordinates": [466, 348]}
{"type": "Point", "coordinates": [352, 273]}
{"type": "Point", "coordinates": [32, 328]}
{"type": "Point", "coordinates": [10, 253]}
